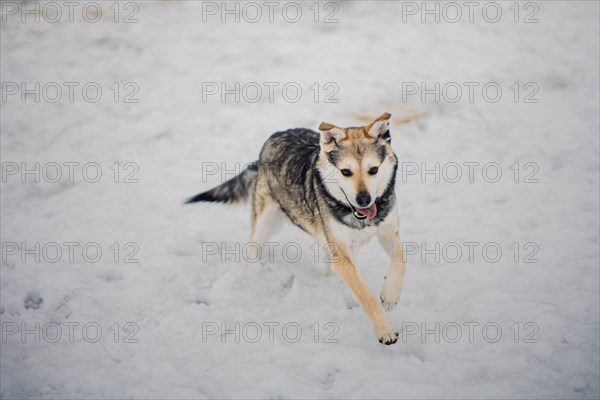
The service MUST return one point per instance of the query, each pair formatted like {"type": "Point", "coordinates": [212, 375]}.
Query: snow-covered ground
{"type": "Point", "coordinates": [525, 325]}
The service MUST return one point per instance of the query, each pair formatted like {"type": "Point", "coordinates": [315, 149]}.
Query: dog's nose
{"type": "Point", "coordinates": [363, 199]}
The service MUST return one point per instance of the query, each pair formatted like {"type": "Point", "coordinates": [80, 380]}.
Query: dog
{"type": "Point", "coordinates": [336, 185]}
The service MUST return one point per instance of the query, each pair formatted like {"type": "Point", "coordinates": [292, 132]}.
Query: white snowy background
{"type": "Point", "coordinates": [175, 290]}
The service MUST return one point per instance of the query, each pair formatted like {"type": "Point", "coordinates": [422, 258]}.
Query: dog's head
{"type": "Point", "coordinates": [357, 164]}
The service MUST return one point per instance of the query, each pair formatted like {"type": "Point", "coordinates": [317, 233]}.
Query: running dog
{"type": "Point", "coordinates": [338, 186]}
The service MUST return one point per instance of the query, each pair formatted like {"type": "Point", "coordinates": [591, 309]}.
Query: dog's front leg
{"type": "Point", "coordinates": [389, 238]}
{"type": "Point", "coordinates": [344, 267]}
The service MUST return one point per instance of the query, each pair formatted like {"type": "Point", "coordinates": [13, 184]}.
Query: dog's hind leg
{"type": "Point", "coordinates": [266, 219]}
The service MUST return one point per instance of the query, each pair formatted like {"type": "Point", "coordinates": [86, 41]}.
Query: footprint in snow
{"type": "Point", "coordinates": [33, 301]}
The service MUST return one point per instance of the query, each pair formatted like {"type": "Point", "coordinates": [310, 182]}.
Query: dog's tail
{"type": "Point", "coordinates": [235, 190]}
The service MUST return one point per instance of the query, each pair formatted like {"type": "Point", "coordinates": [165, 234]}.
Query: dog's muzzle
{"type": "Point", "coordinates": [357, 215]}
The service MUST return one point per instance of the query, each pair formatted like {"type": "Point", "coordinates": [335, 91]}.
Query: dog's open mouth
{"type": "Point", "coordinates": [364, 213]}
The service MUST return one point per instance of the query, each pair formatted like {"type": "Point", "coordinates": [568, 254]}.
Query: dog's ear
{"type": "Point", "coordinates": [331, 134]}
{"type": "Point", "coordinates": [380, 128]}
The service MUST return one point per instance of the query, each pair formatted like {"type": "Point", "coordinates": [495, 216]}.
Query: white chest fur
{"type": "Point", "coordinates": [355, 238]}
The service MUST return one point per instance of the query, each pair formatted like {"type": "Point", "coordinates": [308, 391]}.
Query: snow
{"type": "Point", "coordinates": [177, 294]}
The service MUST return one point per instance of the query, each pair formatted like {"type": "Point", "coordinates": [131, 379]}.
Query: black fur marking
{"type": "Point", "coordinates": [333, 157]}
{"type": "Point", "coordinates": [386, 136]}
{"type": "Point", "coordinates": [381, 152]}
{"type": "Point", "coordinates": [206, 196]}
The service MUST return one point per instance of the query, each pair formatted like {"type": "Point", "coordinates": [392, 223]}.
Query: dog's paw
{"type": "Point", "coordinates": [387, 334]}
{"type": "Point", "coordinates": [390, 294]}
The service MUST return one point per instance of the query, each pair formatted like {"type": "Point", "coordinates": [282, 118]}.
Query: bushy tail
{"type": "Point", "coordinates": [235, 190]}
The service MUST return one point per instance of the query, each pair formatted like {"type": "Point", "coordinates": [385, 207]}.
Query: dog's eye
{"type": "Point", "coordinates": [373, 170]}
{"type": "Point", "coordinates": [346, 172]}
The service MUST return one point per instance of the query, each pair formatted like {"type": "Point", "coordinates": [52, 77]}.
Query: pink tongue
{"type": "Point", "coordinates": [370, 212]}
